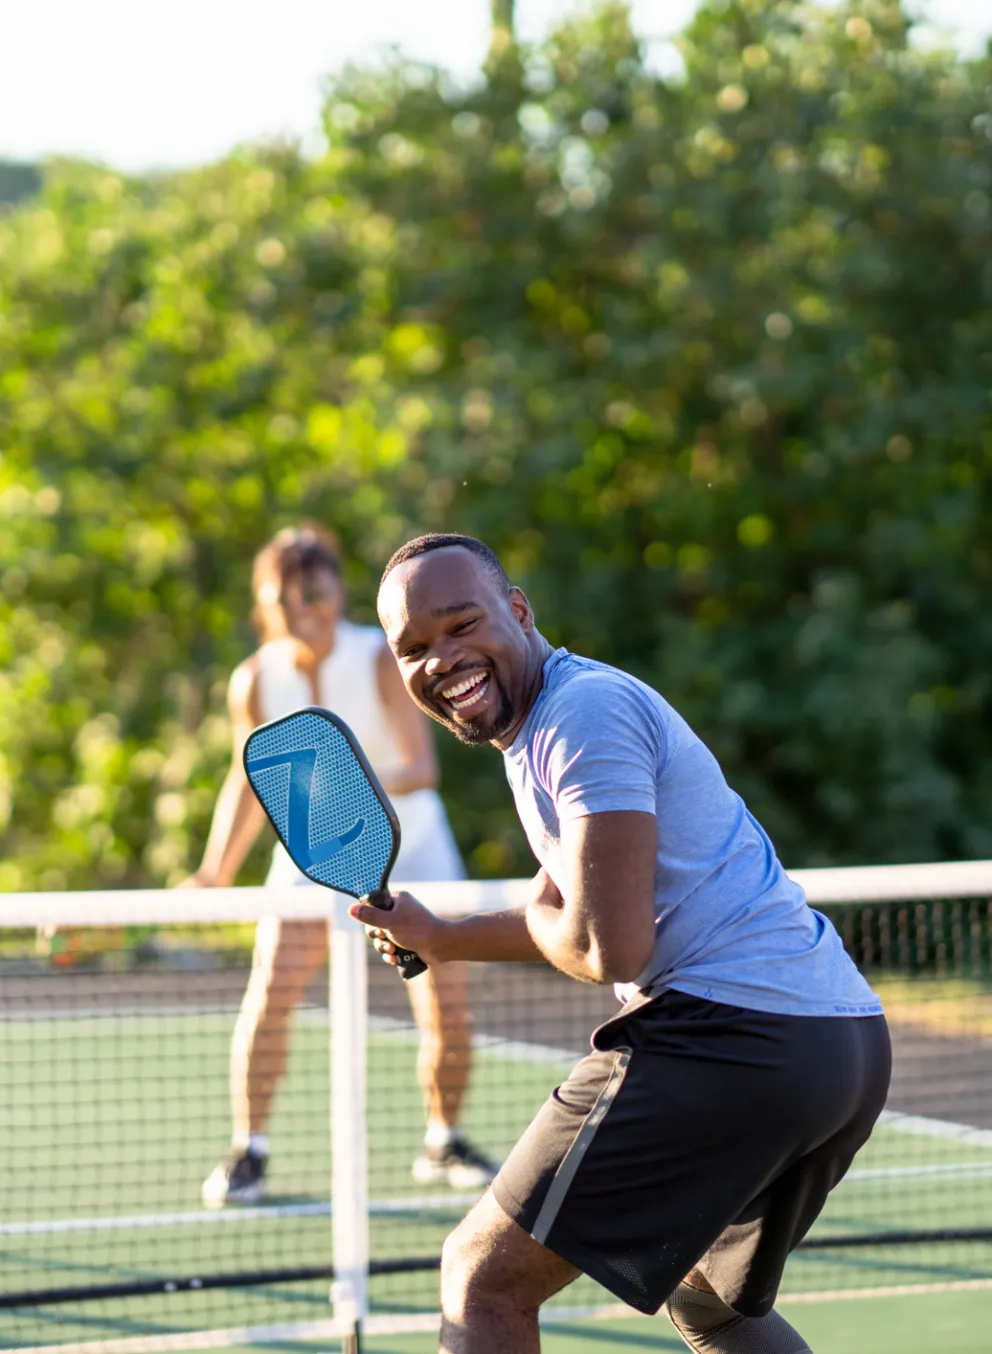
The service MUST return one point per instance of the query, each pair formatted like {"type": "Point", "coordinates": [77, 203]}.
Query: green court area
{"type": "Point", "coordinates": [117, 1118]}
{"type": "Point", "coordinates": [944, 1323]}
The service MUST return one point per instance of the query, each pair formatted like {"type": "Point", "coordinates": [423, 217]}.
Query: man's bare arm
{"type": "Point", "coordinates": [502, 937]}
{"type": "Point", "coordinates": [601, 930]}
{"type": "Point", "coordinates": [487, 937]}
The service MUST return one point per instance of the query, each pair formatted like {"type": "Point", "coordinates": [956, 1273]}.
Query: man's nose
{"type": "Point", "coordinates": [442, 660]}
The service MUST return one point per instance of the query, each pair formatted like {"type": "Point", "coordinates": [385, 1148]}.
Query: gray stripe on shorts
{"type": "Point", "coordinates": [572, 1159]}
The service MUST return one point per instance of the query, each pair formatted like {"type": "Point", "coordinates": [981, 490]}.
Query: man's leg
{"type": "Point", "coordinates": [494, 1278]}
{"type": "Point", "coordinates": [709, 1326]}
{"type": "Point", "coordinates": [286, 958]}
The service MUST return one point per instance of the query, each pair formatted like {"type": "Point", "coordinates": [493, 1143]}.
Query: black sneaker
{"type": "Point", "coordinates": [457, 1164]}
{"type": "Point", "coordinates": [239, 1179]}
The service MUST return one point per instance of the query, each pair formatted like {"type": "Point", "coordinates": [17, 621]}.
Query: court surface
{"type": "Point", "coordinates": [119, 1109]}
{"type": "Point", "coordinates": [944, 1323]}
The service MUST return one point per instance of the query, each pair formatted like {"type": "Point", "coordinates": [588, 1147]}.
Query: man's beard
{"type": "Point", "coordinates": [473, 733]}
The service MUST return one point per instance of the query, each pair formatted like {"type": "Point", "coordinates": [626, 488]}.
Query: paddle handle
{"type": "Point", "coordinates": [408, 963]}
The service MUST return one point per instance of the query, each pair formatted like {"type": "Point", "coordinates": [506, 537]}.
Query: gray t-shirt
{"type": "Point", "coordinates": [730, 925]}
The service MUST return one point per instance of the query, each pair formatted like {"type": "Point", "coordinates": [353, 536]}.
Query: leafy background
{"type": "Point", "coordinates": [707, 360]}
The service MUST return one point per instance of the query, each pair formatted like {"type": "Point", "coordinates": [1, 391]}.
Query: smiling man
{"type": "Point", "coordinates": [691, 1150]}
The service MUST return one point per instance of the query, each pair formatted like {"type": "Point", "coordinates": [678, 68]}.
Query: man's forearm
{"type": "Point", "coordinates": [519, 936]}
{"type": "Point", "coordinates": [538, 933]}
{"type": "Point", "coordinates": [492, 937]}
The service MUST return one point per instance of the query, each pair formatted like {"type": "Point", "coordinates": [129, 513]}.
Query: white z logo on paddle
{"type": "Point", "coordinates": [301, 768]}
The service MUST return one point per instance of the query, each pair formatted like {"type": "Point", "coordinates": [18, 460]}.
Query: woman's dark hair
{"type": "Point", "coordinates": [293, 553]}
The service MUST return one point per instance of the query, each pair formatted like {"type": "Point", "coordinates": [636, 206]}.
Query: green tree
{"type": "Point", "coordinates": [708, 360]}
{"type": "Point", "coordinates": [17, 180]}
{"type": "Point", "coordinates": [717, 384]}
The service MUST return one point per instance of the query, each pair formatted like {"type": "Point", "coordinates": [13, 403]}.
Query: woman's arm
{"type": "Point", "coordinates": [238, 816]}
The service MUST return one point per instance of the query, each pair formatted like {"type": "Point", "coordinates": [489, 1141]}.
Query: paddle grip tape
{"type": "Point", "coordinates": [408, 963]}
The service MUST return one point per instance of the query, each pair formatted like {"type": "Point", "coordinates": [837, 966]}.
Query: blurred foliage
{"type": "Point", "coordinates": [18, 179]}
{"type": "Point", "coordinates": [707, 359]}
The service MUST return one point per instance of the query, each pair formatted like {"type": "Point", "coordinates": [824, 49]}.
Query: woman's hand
{"type": "Point", "coordinates": [200, 880]}
{"type": "Point", "coordinates": [407, 926]}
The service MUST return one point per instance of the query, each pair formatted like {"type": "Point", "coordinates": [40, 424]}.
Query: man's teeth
{"type": "Point", "coordinates": [466, 693]}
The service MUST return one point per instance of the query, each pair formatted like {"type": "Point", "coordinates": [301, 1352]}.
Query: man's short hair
{"type": "Point", "coordinates": [442, 540]}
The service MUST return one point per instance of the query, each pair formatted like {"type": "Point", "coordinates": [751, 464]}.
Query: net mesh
{"type": "Point", "coordinates": [114, 1104]}
{"type": "Point", "coordinates": [115, 1108]}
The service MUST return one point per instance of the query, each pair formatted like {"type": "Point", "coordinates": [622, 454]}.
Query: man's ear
{"type": "Point", "coordinates": [520, 607]}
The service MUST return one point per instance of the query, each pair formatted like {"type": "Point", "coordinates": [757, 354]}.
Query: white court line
{"type": "Point", "coordinates": [961, 1170]}
{"type": "Point", "coordinates": [924, 1127]}
{"type": "Point", "coordinates": [517, 1049]}
{"type": "Point", "coordinates": [912, 1290]}
{"type": "Point", "coordinates": [45, 1227]}
{"type": "Point", "coordinates": [413, 1203]}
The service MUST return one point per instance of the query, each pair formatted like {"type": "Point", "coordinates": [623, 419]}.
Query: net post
{"type": "Point", "coordinates": [348, 1006]}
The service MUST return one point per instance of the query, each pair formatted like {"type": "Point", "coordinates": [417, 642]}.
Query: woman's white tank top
{"type": "Point", "coordinates": [347, 683]}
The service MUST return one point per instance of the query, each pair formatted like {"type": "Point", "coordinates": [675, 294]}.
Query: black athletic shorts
{"type": "Point", "coordinates": [696, 1135]}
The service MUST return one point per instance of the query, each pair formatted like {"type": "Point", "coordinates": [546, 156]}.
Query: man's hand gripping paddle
{"type": "Point", "coordinates": [325, 802]}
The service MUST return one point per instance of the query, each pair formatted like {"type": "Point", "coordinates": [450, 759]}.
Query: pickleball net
{"type": "Point", "coordinates": [116, 1018]}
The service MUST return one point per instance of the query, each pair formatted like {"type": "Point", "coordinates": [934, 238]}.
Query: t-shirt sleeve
{"type": "Point", "coordinates": [600, 750]}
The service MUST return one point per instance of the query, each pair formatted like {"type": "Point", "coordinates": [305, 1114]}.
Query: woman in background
{"type": "Point", "coordinates": [310, 654]}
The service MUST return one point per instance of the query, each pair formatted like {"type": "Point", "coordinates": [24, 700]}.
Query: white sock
{"type": "Point", "coordinates": [256, 1143]}
{"type": "Point", "coordinates": [440, 1135]}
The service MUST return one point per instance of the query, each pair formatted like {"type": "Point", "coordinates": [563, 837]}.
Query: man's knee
{"type": "Point", "coordinates": [463, 1269]}
{"type": "Point", "coordinates": [464, 1254]}
{"type": "Point", "coordinates": [488, 1260]}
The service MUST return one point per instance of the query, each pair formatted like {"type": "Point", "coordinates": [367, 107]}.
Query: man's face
{"type": "Point", "coordinates": [461, 645]}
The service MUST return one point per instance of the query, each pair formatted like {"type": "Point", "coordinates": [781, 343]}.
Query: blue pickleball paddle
{"type": "Point", "coordinates": [325, 802]}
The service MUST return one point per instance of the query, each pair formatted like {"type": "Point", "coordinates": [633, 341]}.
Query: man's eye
{"type": "Point", "coordinates": [465, 625]}
{"type": "Point", "coordinates": [414, 652]}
